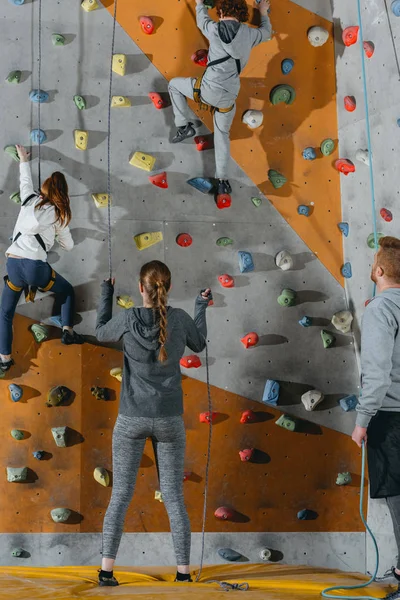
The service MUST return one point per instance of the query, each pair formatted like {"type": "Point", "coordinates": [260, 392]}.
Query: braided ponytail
{"type": "Point", "coordinates": [162, 299]}
{"type": "Point", "coordinates": [155, 278]}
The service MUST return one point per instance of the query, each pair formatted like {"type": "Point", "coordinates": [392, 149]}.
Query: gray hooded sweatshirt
{"type": "Point", "coordinates": [380, 357]}
{"type": "Point", "coordinates": [151, 388]}
{"type": "Point", "coordinates": [221, 84]}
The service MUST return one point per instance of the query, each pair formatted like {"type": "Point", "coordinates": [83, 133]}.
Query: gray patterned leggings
{"type": "Point", "coordinates": [169, 440]}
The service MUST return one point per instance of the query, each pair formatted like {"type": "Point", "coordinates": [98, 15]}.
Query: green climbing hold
{"type": "Point", "coordinates": [328, 339]}
{"type": "Point", "coordinates": [286, 422]}
{"type": "Point", "coordinates": [40, 333]}
{"type": "Point", "coordinates": [12, 151]}
{"type": "Point", "coordinates": [80, 102]}
{"type": "Point", "coordinates": [18, 552]}
{"type": "Point", "coordinates": [224, 241]}
{"type": "Point", "coordinates": [343, 478]}
{"type": "Point", "coordinates": [282, 93]}
{"type": "Point", "coordinates": [17, 475]}
{"type": "Point", "coordinates": [371, 240]}
{"type": "Point", "coordinates": [17, 434]}
{"type": "Point", "coordinates": [60, 436]}
{"type": "Point", "coordinates": [14, 77]}
{"type": "Point", "coordinates": [287, 297]}
{"type": "Point", "coordinates": [257, 202]}
{"type": "Point", "coordinates": [16, 197]}
{"type": "Point", "coordinates": [276, 178]}
{"type": "Point", "coordinates": [57, 395]}
{"type": "Point", "coordinates": [60, 515]}
{"type": "Point", "coordinates": [58, 39]}
{"type": "Point", "coordinates": [327, 147]}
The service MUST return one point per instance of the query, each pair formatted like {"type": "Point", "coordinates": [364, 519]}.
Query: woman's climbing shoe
{"type": "Point", "coordinates": [6, 365]}
{"type": "Point", "coordinates": [69, 338]}
{"type": "Point", "coordinates": [107, 579]}
{"type": "Point", "coordinates": [183, 133]}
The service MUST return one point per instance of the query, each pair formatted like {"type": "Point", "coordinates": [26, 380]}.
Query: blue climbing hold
{"type": "Point", "coordinates": [344, 228]}
{"type": "Point", "coordinates": [396, 8]}
{"type": "Point", "coordinates": [305, 514]}
{"type": "Point", "coordinates": [56, 320]}
{"type": "Point", "coordinates": [39, 454]}
{"type": "Point", "coordinates": [349, 403]}
{"type": "Point", "coordinates": [306, 322]}
{"type": "Point", "coordinates": [38, 96]}
{"type": "Point", "coordinates": [309, 153]}
{"type": "Point", "coordinates": [201, 184]}
{"type": "Point", "coordinates": [271, 392]}
{"type": "Point", "coordinates": [304, 210]}
{"type": "Point", "coordinates": [346, 270]}
{"type": "Point", "coordinates": [246, 263]}
{"type": "Point", "coordinates": [38, 136]}
{"type": "Point", "coordinates": [15, 392]}
{"type": "Point", "coordinates": [398, 122]}
{"type": "Point", "coordinates": [287, 65]}
{"type": "Point", "coordinates": [16, 2]}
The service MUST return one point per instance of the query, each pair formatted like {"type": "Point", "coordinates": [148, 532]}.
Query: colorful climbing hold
{"type": "Point", "coordinates": [159, 180]}
{"type": "Point", "coordinates": [17, 434]}
{"type": "Point", "coordinates": [345, 166]}
{"type": "Point", "coordinates": [80, 102]}
{"type": "Point", "coordinates": [100, 200]}
{"type": "Point", "coordinates": [363, 156]}
{"type": "Point", "coordinates": [102, 476]}
{"type": "Point", "coordinates": [16, 392]}
{"type": "Point", "coordinates": [253, 118]}
{"type": "Point", "coordinates": [125, 301]}
{"type": "Point", "coordinates": [395, 6]}
{"type": "Point", "coordinates": [207, 417]}
{"type": "Point", "coordinates": [224, 241]}
{"type": "Point", "coordinates": [200, 58]}
{"type": "Point", "coordinates": [287, 422]}
{"type": "Point", "coordinates": [327, 146]}
{"type": "Point", "coordinates": [250, 340]}
{"type": "Point", "coordinates": [224, 513]}
{"type": "Point", "coordinates": [246, 264]}
{"type": "Point", "coordinates": [203, 142]}
{"type": "Point", "coordinates": [16, 197]}
{"type": "Point", "coordinates": [371, 240]}
{"type": "Point", "coordinates": [145, 240]}
{"type": "Point", "coordinates": [38, 136]}
{"type": "Point", "coordinates": [287, 65]}
{"type": "Point", "coordinates": [143, 161]}
{"type": "Point", "coordinates": [386, 214]}
{"type": "Point", "coordinates": [284, 260]}
{"type": "Point", "coordinates": [246, 455]}
{"type": "Point", "coordinates": [311, 399]}
{"type": "Point", "coordinates": [89, 5]}
{"type": "Point", "coordinates": [229, 554]}
{"type": "Point", "coordinates": [17, 475]}
{"type": "Point", "coordinates": [271, 392]}
{"type": "Point", "coordinates": [304, 210]}
{"type": "Point", "coordinates": [350, 103]}
{"type": "Point", "coordinates": [14, 77]}
{"type": "Point", "coordinates": [58, 395]}
{"type": "Point", "coordinates": [249, 416]}
{"type": "Point", "coordinates": [39, 332]}
{"type": "Point", "coordinates": [157, 100]}
{"type": "Point", "coordinates": [369, 49]}
{"type": "Point", "coordinates": [276, 178]}
{"type": "Point", "coordinates": [223, 201]}
{"type": "Point", "coordinates": [116, 372]}
{"type": "Point", "coordinates": [190, 362]}
{"type": "Point", "coordinates": [350, 35]}
{"type": "Point", "coordinates": [343, 478]}
{"type": "Point", "coordinates": [12, 151]}
{"type": "Point", "coordinates": [60, 436]}
{"type": "Point", "coordinates": [342, 321]}
{"type": "Point", "coordinates": [201, 184]}
{"type": "Point", "coordinates": [38, 96]}
{"type": "Point", "coordinates": [346, 270]}
{"type": "Point", "coordinates": [305, 514]}
{"type": "Point", "coordinates": [147, 25]}
{"type": "Point", "coordinates": [306, 322]}
{"type": "Point", "coordinates": [282, 93]}
{"type": "Point", "coordinates": [57, 39]}
{"type": "Point", "coordinates": [184, 239]}
{"type": "Point", "coordinates": [119, 64]}
{"type": "Point", "coordinates": [257, 202]}
{"type": "Point", "coordinates": [309, 153]}
{"type": "Point", "coordinates": [120, 102]}
{"type": "Point", "coordinates": [349, 403]}
{"type": "Point", "coordinates": [81, 139]}
{"type": "Point", "coordinates": [226, 281]}
{"type": "Point", "coordinates": [101, 393]}
{"type": "Point", "coordinates": [60, 515]}
{"type": "Point", "coordinates": [328, 339]}
{"type": "Point", "coordinates": [344, 228]}
{"type": "Point", "coordinates": [317, 36]}
{"type": "Point", "coordinates": [39, 454]}
{"type": "Point", "coordinates": [287, 297]}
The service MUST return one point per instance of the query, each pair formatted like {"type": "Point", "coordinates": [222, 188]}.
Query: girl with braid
{"type": "Point", "coordinates": [151, 404]}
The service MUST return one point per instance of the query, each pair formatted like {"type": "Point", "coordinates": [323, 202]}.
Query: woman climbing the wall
{"type": "Point", "coordinates": [231, 42]}
{"type": "Point", "coordinates": [151, 404]}
{"type": "Point", "coordinates": [43, 218]}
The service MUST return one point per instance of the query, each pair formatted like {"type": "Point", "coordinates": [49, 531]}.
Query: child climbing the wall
{"type": "Point", "coordinates": [43, 218]}
{"type": "Point", "coordinates": [151, 404]}
{"type": "Point", "coordinates": [231, 42]}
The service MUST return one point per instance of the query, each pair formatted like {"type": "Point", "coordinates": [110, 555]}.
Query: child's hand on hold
{"type": "Point", "coordinates": [110, 282]}
{"type": "Point", "coordinates": [22, 153]}
{"type": "Point", "coordinates": [264, 6]}
{"type": "Point", "coordinates": [206, 294]}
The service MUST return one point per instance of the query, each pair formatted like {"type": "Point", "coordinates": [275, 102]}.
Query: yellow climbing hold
{"type": "Point", "coordinates": [89, 5]}
{"type": "Point", "coordinates": [119, 64]}
{"type": "Point", "coordinates": [100, 200]}
{"type": "Point", "coordinates": [145, 240]}
{"type": "Point", "coordinates": [81, 139]}
{"type": "Point", "coordinates": [125, 302]}
{"type": "Point", "coordinates": [143, 161]}
{"type": "Point", "coordinates": [120, 102]}
{"type": "Point", "coordinates": [117, 373]}
{"type": "Point", "coordinates": [158, 496]}
{"type": "Point", "coordinates": [102, 476]}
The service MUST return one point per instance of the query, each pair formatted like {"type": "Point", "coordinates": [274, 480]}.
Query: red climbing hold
{"type": "Point", "coordinates": [187, 475]}
{"type": "Point", "coordinates": [224, 513]}
{"type": "Point", "coordinates": [203, 142]}
{"type": "Point", "coordinates": [200, 58]}
{"type": "Point", "coordinates": [248, 416]}
{"type": "Point", "coordinates": [386, 215]}
{"type": "Point", "coordinates": [157, 100]}
{"type": "Point", "coordinates": [350, 35]}
{"type": "Point", "coordinates": [249, 340]}
{"type": "Point", "coordinates": [345, 166]}
{"type": "Point", "coordinates": [159, 180]}
{"type": "Point", "coordinates": [224, 201]}
{"type": "Point", "coordinates": [147, 25]}
{"type": "Point", "coordinates": [190, 362]}
{"type": "Point", "coordinates": [184, 240]}
{"type": "Point", "coordinates": [206, 418]}
{"type": "Point", "coordinates": [226, 281]}
{"type": "Point", "coordinates": [369, 49]}
{"type": "Point", "coordinates": [350, 103]}
{"type": "Point", "coordinates": [246, 455]}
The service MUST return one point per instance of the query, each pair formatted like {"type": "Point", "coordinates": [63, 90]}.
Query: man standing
{"type": "Point", "coordinates": [378, 418]}
{"type": "Point", "coordinates": [231, 42]}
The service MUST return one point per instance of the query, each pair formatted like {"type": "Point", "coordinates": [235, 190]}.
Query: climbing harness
{"type": "Point", "coordinates": [231, 587]}
{"type": "Point", "coordinates": [327, 592]}
{"type": "Point", "coordinates": [197, 86]}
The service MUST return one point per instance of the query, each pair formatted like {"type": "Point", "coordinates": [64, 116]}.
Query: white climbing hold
{"type": "Point", "coordinates": [284, 260]}
{"type": "Point", "coordinates": [342, 321]}
{"type": "Point", "coordinates": [317, 36]}
{"type": "Point", "coordinates": [253, 118]}
{"type": "Point", "coordinates": [363, 156]}
{"type": "Point", "coordinates": [311, 399]}
{"type": "Point", "coordinates": [266, 554]}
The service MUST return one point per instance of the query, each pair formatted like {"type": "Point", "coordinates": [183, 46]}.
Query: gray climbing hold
{"type": "Point", "coordinates": [246, 264]}
{"type": "Point", "coordinates": [363, 156]}
{"type": "Point", "coordinates": [38, 96]}
{"type": "Point", "coordinates": [266, 554]}
{"type": "Point", "coordinates": [16, 198]}
{"type": "Point", "coordinates": [311, 399]}
{"type": "Point", "coordinates": [18, 553]}
{"type": "Point", "coordinates": [229, 554]}
{"type": "Point", "coordinates": [277, 179]}
{"type": "Point", "coordinates": [287, 422]}
{"type": "Point", "coordinates": [328, 339]}
{"type": "Point", "coordinates": [343, 478]}
{"type": "Point", "coordinates": [60, 515]}
{"type": "Point", "coordinates": [287, 65]}
{"type": "Point", "coordinates": [327, 147]}
{"type": "Point", "coordinates": [17, 475]}
{"type": "Point", "coordinates": [283, 93]}
{"type": "Point", "coordinates": [371, 240]}
{"type": "Point", "coordinates": [16, 392]}
{"type": "Point", "coordinates": [317, 36]}
{"type": "Point", "coordinates": [342, 321]}
{"type": "Point", "coordinates": [14, 77]}
{"type": "Point", "coordinates": [271, 392]}
{"type": "Point", "coordinates": [253, 118]}
{"type": "Point", "coordinates": [38, 136]}
{"type": "Point", "coordinates": [57, 39]}
{"type": "Point", "coordinates": [60, 436]}
{"type": "Point", "coordinates": [305, 322]}
{"type": "Point", "coordinates": [309, 153]}
{"type": "Point", "coordinates": [38, 454]}
{"type": "Point", "coordinates": [17, 434]}
{"type": "Point", "coordinates": [80, 102]}
{"type": "Point", "coordinates": [284, 260]}
{"type": "Point", "coordinates": [349, 403]}
{"type": "Point", "coordinates": [12, 151]}
{"type": "Point", "coordinates": [57, 395]}
{"type": "Point", "coordinates": [287, 297]}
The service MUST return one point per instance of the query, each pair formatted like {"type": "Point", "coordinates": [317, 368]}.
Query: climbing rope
{"type": "Point", "coordinates": [39, 84]}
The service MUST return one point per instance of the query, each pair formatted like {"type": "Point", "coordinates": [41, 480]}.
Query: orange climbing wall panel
{"type": "Point", "coordinates": [291, 471]}
{"type": "Point", "coordinates": [287, 130]}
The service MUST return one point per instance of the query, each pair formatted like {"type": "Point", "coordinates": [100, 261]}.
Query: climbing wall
{"type": "Point", "coordinates": [382, 28]}
{"type": "Point", "coordinates": [286, 352]}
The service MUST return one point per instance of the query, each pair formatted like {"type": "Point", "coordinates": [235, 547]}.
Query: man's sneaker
{"type": "Point", "coordinates": [107, 581]}
{"type": "Point", "coordinates": [183, 133]}
{"type": "Point", "coordinates": [6, 365]}
{"type": "Point", "coordinates": [223, 187]}
{"type": "Point", "coordinates": [69, 338]}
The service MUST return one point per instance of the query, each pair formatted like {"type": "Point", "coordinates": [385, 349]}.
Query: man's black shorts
{"type": "Point", "coordinates": [383, 448]}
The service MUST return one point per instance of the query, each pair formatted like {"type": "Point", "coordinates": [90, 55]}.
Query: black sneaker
{"type": "Point", "coordinates": [107, 581]}
{"type": "Point", "coordinates": [6, 365]}
{"type": "Point", "coordinates": [223, 187]}
{"type": "Point", "coordinates": [189, 580]}
{"type": "Point", "coordinates": [394, 595]}
{"type": "Point", "coordinates": [69, 338]}
{"type": "Point", "coordinates": [183, 133]}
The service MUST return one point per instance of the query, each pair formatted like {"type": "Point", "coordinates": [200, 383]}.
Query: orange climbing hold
{"type": "Point", "coordinates": [246, 455]}
{"type": "Point", "coordinates": [345, 166]}
{"type": "Point", "coordinates": [350, 35]}
{"type": "Point", "coordinates": [157, 100]}
{"type": "Point", "coordinates": [207, 418]}
{"type": "Point", "coordinates": [350, 103]}
{"type": "Point", "coordinates": [248, 416]}
{"type": "Point", "coordinates": [369, 49]}
{"type": "Point", "coordinates": [159, 180]}
{"type": "Point", "coordinates": [190, 362]}
{"type": "Point", "coordinates": [250, 340]}
{"type": "Point", "coordinates": [226, 281]}
{"type": "Point", "coordinates": [147, 25]}
{"type": "Point", "coordinates": [224, 513]}
{"type": "Point", "coordinates": [200, 58]}
{"type": "Point", "coordinates": [224, 201]}
{"type": "Point", "coordinates": [203, 142]}
{"type": "Point", "coordinates": [184, 240]}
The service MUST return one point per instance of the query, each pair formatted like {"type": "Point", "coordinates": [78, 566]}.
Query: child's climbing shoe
{"type": "Point", "coordinates": [6, 365]}
{"type": "Point", "coordinates": [223, 187]}
{"type": "Point", "coordinates": [69, 338]}
{"type": "Point", "coordinates": [183, 133]}
{"type": "Point", "coordinates": [107, 579]}
{"type": "Point", "coordinates": [183, 577]}
{"type": "Point", "coordinates": [223, 194]}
